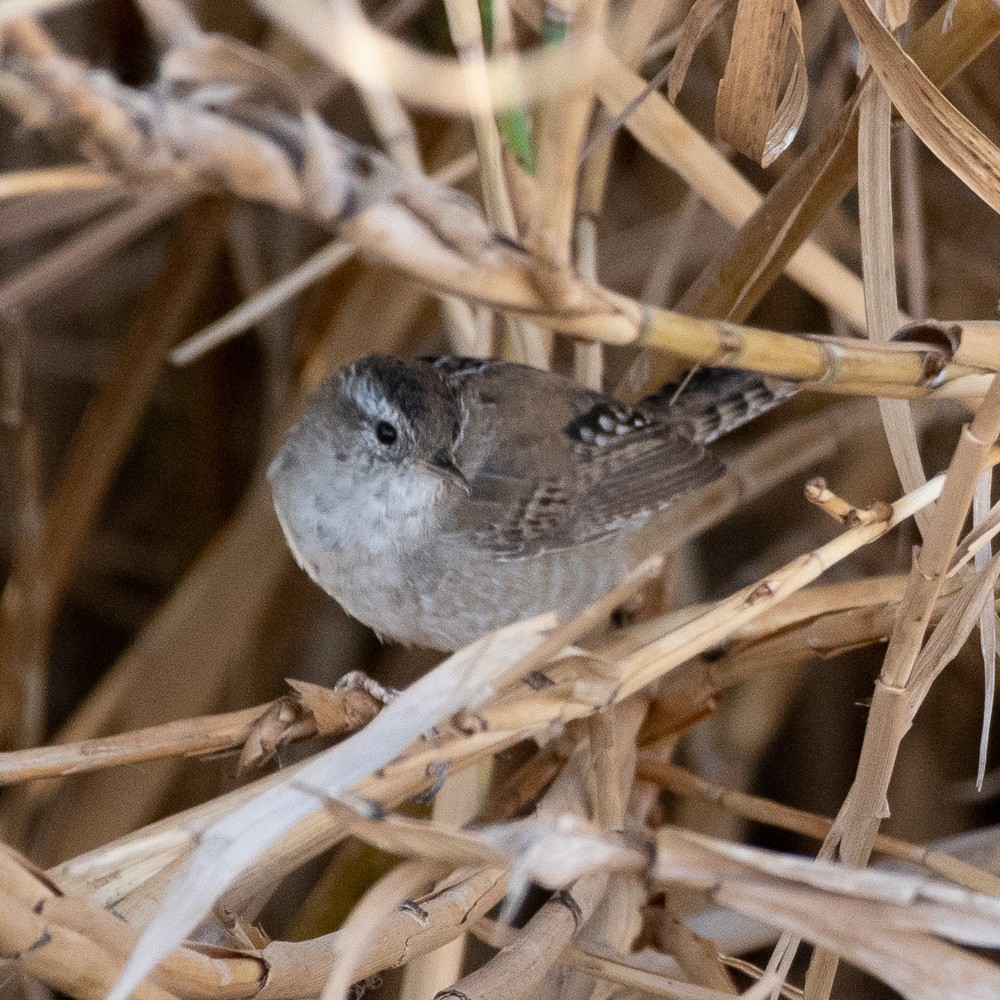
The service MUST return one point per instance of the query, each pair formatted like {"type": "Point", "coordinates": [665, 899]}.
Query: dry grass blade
{"type": "Point", "coordinates": [913, 223]}
{"type": "Point", "coordinates": [879, 267]}
{"type": "Point", "coordinates": [943, 129]}
{"type": "Point", "coordinates": [18, 184]}
{"type": "Point", "coordinates": [987, 621]}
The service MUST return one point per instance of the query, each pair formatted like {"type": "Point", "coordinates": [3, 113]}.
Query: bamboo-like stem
{"type": "Point", "coordinates": [926, 580]}
{"type": "Point", "coordinates": [443, 243]}
{"type": "Point", "coordinates": [284, 719]}
{"type": "Point", "coordinates": [518, 969]}
{"type": "Point", "coordinates": [378, 903]}
{"type": "Point", "coordinates": [879, 267]}
{"type": "Point", "coordinates": [560, 130]}
{"type": "Point", "coordinates": [894, 702]}
{"type": "Point", "coordinates": [284, 970]}
{"type": "Point", "coordinates": [299, 968]}
{"type": "Point", "coordinates": [54, 936]}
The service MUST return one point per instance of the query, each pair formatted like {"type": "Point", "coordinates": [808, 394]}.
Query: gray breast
{"type": "Point", "coordinates": [459, 597]}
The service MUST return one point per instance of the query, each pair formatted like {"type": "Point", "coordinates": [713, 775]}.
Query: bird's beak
{"type": "Point", "coordinates": [441, 463]}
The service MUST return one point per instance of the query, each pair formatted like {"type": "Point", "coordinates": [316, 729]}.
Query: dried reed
{"type": "Point", "coordinates": [231, 185]}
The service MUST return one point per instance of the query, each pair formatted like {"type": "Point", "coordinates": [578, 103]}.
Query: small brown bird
{"type": "Point", "coordinates": [440, 499]}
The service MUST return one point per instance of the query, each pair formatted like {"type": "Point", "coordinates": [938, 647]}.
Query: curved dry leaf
{"type": "Point", "coordinates": [749, 114]}
{"type": "Point", "coordinates": [946, 132]}
{"type": "Point", "coordinates": [700, 20]}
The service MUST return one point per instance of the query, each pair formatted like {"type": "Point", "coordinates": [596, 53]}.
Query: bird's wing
{"type": "Point", "coordinates": [552, 465]}
{"type": "Point", "coordinates": [630, 474]}
{"type": "Point", "coordinates": [513, 416]}
{"type": "Point", "coordinates": [706, 403]}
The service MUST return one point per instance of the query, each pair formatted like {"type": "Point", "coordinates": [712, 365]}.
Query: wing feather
{"type": "Point", "coordinates": [576, 467]}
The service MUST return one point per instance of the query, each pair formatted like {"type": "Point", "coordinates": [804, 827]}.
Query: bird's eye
{"type": "Point", "coordinates": [385, 432]}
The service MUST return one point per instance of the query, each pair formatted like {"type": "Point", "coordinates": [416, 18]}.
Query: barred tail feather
{"type": "Point", "coordinates": [714, 401]}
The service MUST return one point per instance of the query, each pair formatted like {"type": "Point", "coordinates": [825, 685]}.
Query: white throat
{"type": "Point", "coordinates": [344, 517]}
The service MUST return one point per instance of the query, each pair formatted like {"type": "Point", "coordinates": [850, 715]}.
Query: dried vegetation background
{"type": "Point", "coordinates": [205, 208]}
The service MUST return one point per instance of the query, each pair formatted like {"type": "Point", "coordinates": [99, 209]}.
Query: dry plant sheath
{"type": "Point", "coordinates": [388, 217]}
{"type": "Point", "coordinates": [207, 209]}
